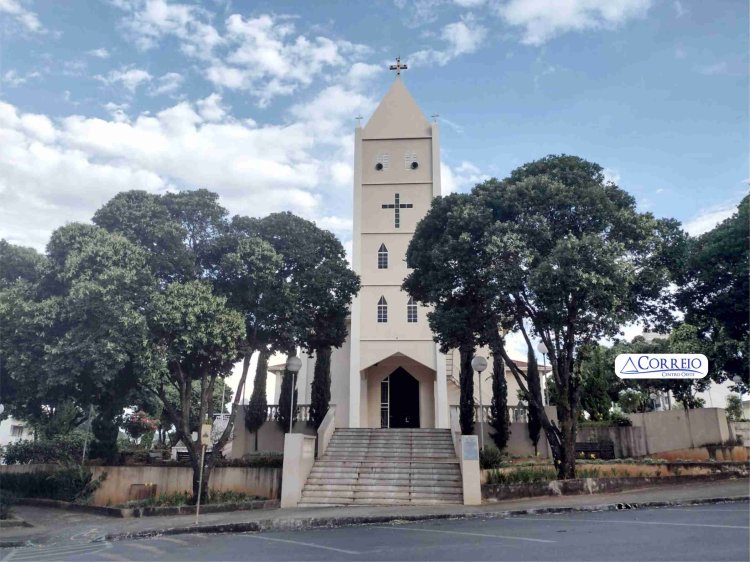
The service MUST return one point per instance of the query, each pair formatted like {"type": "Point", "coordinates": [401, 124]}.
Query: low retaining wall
{"type": "Point", "coordinates": [115, 489]}
{"type": "Point", "coordinates": [581, 486]}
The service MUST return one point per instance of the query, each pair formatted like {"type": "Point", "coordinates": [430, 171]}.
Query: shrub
{"type": "Point", "coordinates": [619, 419]}
{"type": "Point", "coordinates": [490, 457]}
{"type": "Point", "coordinates": [72, 484]}
{"type": "Point", "coordinates": [63, 449]}
{"type": "Point", "coordinates": [525, 475]}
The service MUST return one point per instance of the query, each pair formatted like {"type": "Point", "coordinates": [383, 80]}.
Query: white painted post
{"type": "Point", "coordinates": [299, 456]}
{"type": "Point", "coordinates": [470, 473]}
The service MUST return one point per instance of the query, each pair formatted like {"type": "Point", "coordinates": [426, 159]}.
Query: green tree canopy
{"type": "Point", "coordinates": [715, 284]}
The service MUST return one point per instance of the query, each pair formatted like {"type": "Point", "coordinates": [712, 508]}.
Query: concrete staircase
{"type": "Point", "coordinates": [385, 467]}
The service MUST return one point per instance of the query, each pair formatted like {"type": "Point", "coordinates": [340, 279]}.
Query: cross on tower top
{"type": "Point", "coordinates": [398, 67]}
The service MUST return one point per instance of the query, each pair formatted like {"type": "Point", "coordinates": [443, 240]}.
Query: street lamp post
{"type": "Point", "coordinates": [541, 348]}
{"type": "Point", "coordinates": [293, 365]}
{"type": "Point", "coordinates": [479, 364]}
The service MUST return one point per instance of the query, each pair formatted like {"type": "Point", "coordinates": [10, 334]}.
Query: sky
{"type": "Point", "coordinates": [257, 100]}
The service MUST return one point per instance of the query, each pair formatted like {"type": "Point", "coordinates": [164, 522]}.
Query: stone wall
{"type": "Point", "coordinates": [116, 487]}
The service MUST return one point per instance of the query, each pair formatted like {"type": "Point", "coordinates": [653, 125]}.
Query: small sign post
{"type": "Point", "coordinates": [205, 438]}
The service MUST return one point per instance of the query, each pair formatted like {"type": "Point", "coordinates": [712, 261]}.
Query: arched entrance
{"type": "Point", "coordinates": [400, 400]}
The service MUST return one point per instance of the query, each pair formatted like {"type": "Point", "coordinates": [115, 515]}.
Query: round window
{"type": "Point", "coordinates": [414, 165]}
{"type": "Point", "coordinates": [379, 166]}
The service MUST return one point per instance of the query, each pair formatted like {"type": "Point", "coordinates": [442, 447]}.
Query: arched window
{"type": "Point", "coordinates": [382, 257]}
{"type": "Point", "coordinates": [382, 310]}
{"type": "Point", "coordinates": [411, 310]}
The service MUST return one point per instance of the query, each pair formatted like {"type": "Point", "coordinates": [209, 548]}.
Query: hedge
{"type": "Point", "coordinates": [73, 484]}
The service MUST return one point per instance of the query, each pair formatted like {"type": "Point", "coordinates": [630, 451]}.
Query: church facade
{"type": "Point", "coordinates": [390, 372]}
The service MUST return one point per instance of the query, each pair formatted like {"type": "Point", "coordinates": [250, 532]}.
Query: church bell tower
{"type": "Point", "coordinates": [397, 374]}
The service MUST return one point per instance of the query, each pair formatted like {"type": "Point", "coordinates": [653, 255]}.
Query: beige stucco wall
{"type": "Point", "coordinates": [682, 429]}
{"type": "Point", "coordinates": [270, 438]}
{"type": "Point", "coordinates": [398, 153]}
{"type": "Point", "coordinates": [115, 487]}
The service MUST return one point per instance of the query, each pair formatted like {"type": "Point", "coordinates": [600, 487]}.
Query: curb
{"type": "Point", "coordinates": [303, 524]}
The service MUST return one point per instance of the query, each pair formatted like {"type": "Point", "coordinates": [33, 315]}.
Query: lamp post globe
{"type": "Point", "coordinates": [736, 380]}
{"type": "Point", "coordinates": [479, 363]}
{"type": "Point", "coordinates": [541, 348]}
{"type": "Point", "coordinates": [293, 365]}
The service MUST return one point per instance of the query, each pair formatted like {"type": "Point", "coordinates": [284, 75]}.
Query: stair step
{"type": "Point", "coordinates": [369, 466]}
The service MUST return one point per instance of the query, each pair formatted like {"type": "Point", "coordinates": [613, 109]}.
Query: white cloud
{"type": "Point", "coordinates": [708, 219]}
{"type": "Point", "coordinates": [211, 108]}
{"type": "Point", "coordinates": [117, 111]}
{"type": "Point", "coordinates": [679, 9]}
{"type": "Point", "coordinates": [262, 55]}
{"type": "Point", "coordinates": [148, 21]}
{"type": "Point", "coordinates": [714, 69]}
{"type": "Point", "coordinates": [129, 78]}
{"type": "Point", "coordinates": [28, 20]}
{"type": "Point", "coordinates": [168, 83]}
{"type": "Point", "coordinates": [469, 3]}
{"type": "Point", "coordinates": [611, 175]}
{"type": "Point", "coordinates": [461, 178]}
{"type": "Point", "coordinates": [542, 20]}
{"type": "Point", "coordinates": [100, 53]}
{"type": "Point", "coordinates": [12, 78]}
{"type": "Point", "coordinates": [54, 171]}
{"type": "Point", "coordinates": [460, 38]}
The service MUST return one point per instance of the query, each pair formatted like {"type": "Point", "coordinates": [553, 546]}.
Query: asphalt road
{"type": "Point", "coordinates": [706, 532]}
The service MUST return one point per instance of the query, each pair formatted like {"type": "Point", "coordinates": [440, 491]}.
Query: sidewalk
{"type": "Point", "coordinates": [56, 526]}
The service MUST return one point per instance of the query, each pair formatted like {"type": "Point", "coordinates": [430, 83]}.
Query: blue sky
{"type": "Point", "coordinates": [257, 100]}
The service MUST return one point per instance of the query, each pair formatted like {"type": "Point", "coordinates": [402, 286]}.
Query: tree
{"type": "Point", "coordinates": [595, 397]}
{"type": "Point", "coordinates": [534, 423]}
{"type": "Point", "coordinates": [188, 239]}
{"type": "Point", "coordinates": [257, 408]}
{"type": "Point", "coordinates": [734, 407]}
{"type": "Point", "coordinates": [552, 252]}
{"type": "Point", "coordinates": [77, 335]}
{"type": "Point", "coordinates": [714, 286]}
{"type": "Point", "coordinates": [445, 255]}
{"type": "Point", "coordinates": [321, 287]}
{"type": "Point", "coordinates": [144, 219]}
{"type": "Point", "coordinates": [198, 337]}
{"type": "Point", "coordinates": [499, 416]}
{"type": "Point", "coordinates": [18, 263]}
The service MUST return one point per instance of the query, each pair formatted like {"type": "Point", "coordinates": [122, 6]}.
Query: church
{"type": "Point", "coordinates": [391, 433]}
{"type": "Point", "coordinates": [390, 373]}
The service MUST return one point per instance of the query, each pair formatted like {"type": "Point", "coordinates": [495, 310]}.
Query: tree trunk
{"type": "Point", "coordinates": [320, 398]}
{"type": "Point", "coordinates": [466, 401]}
